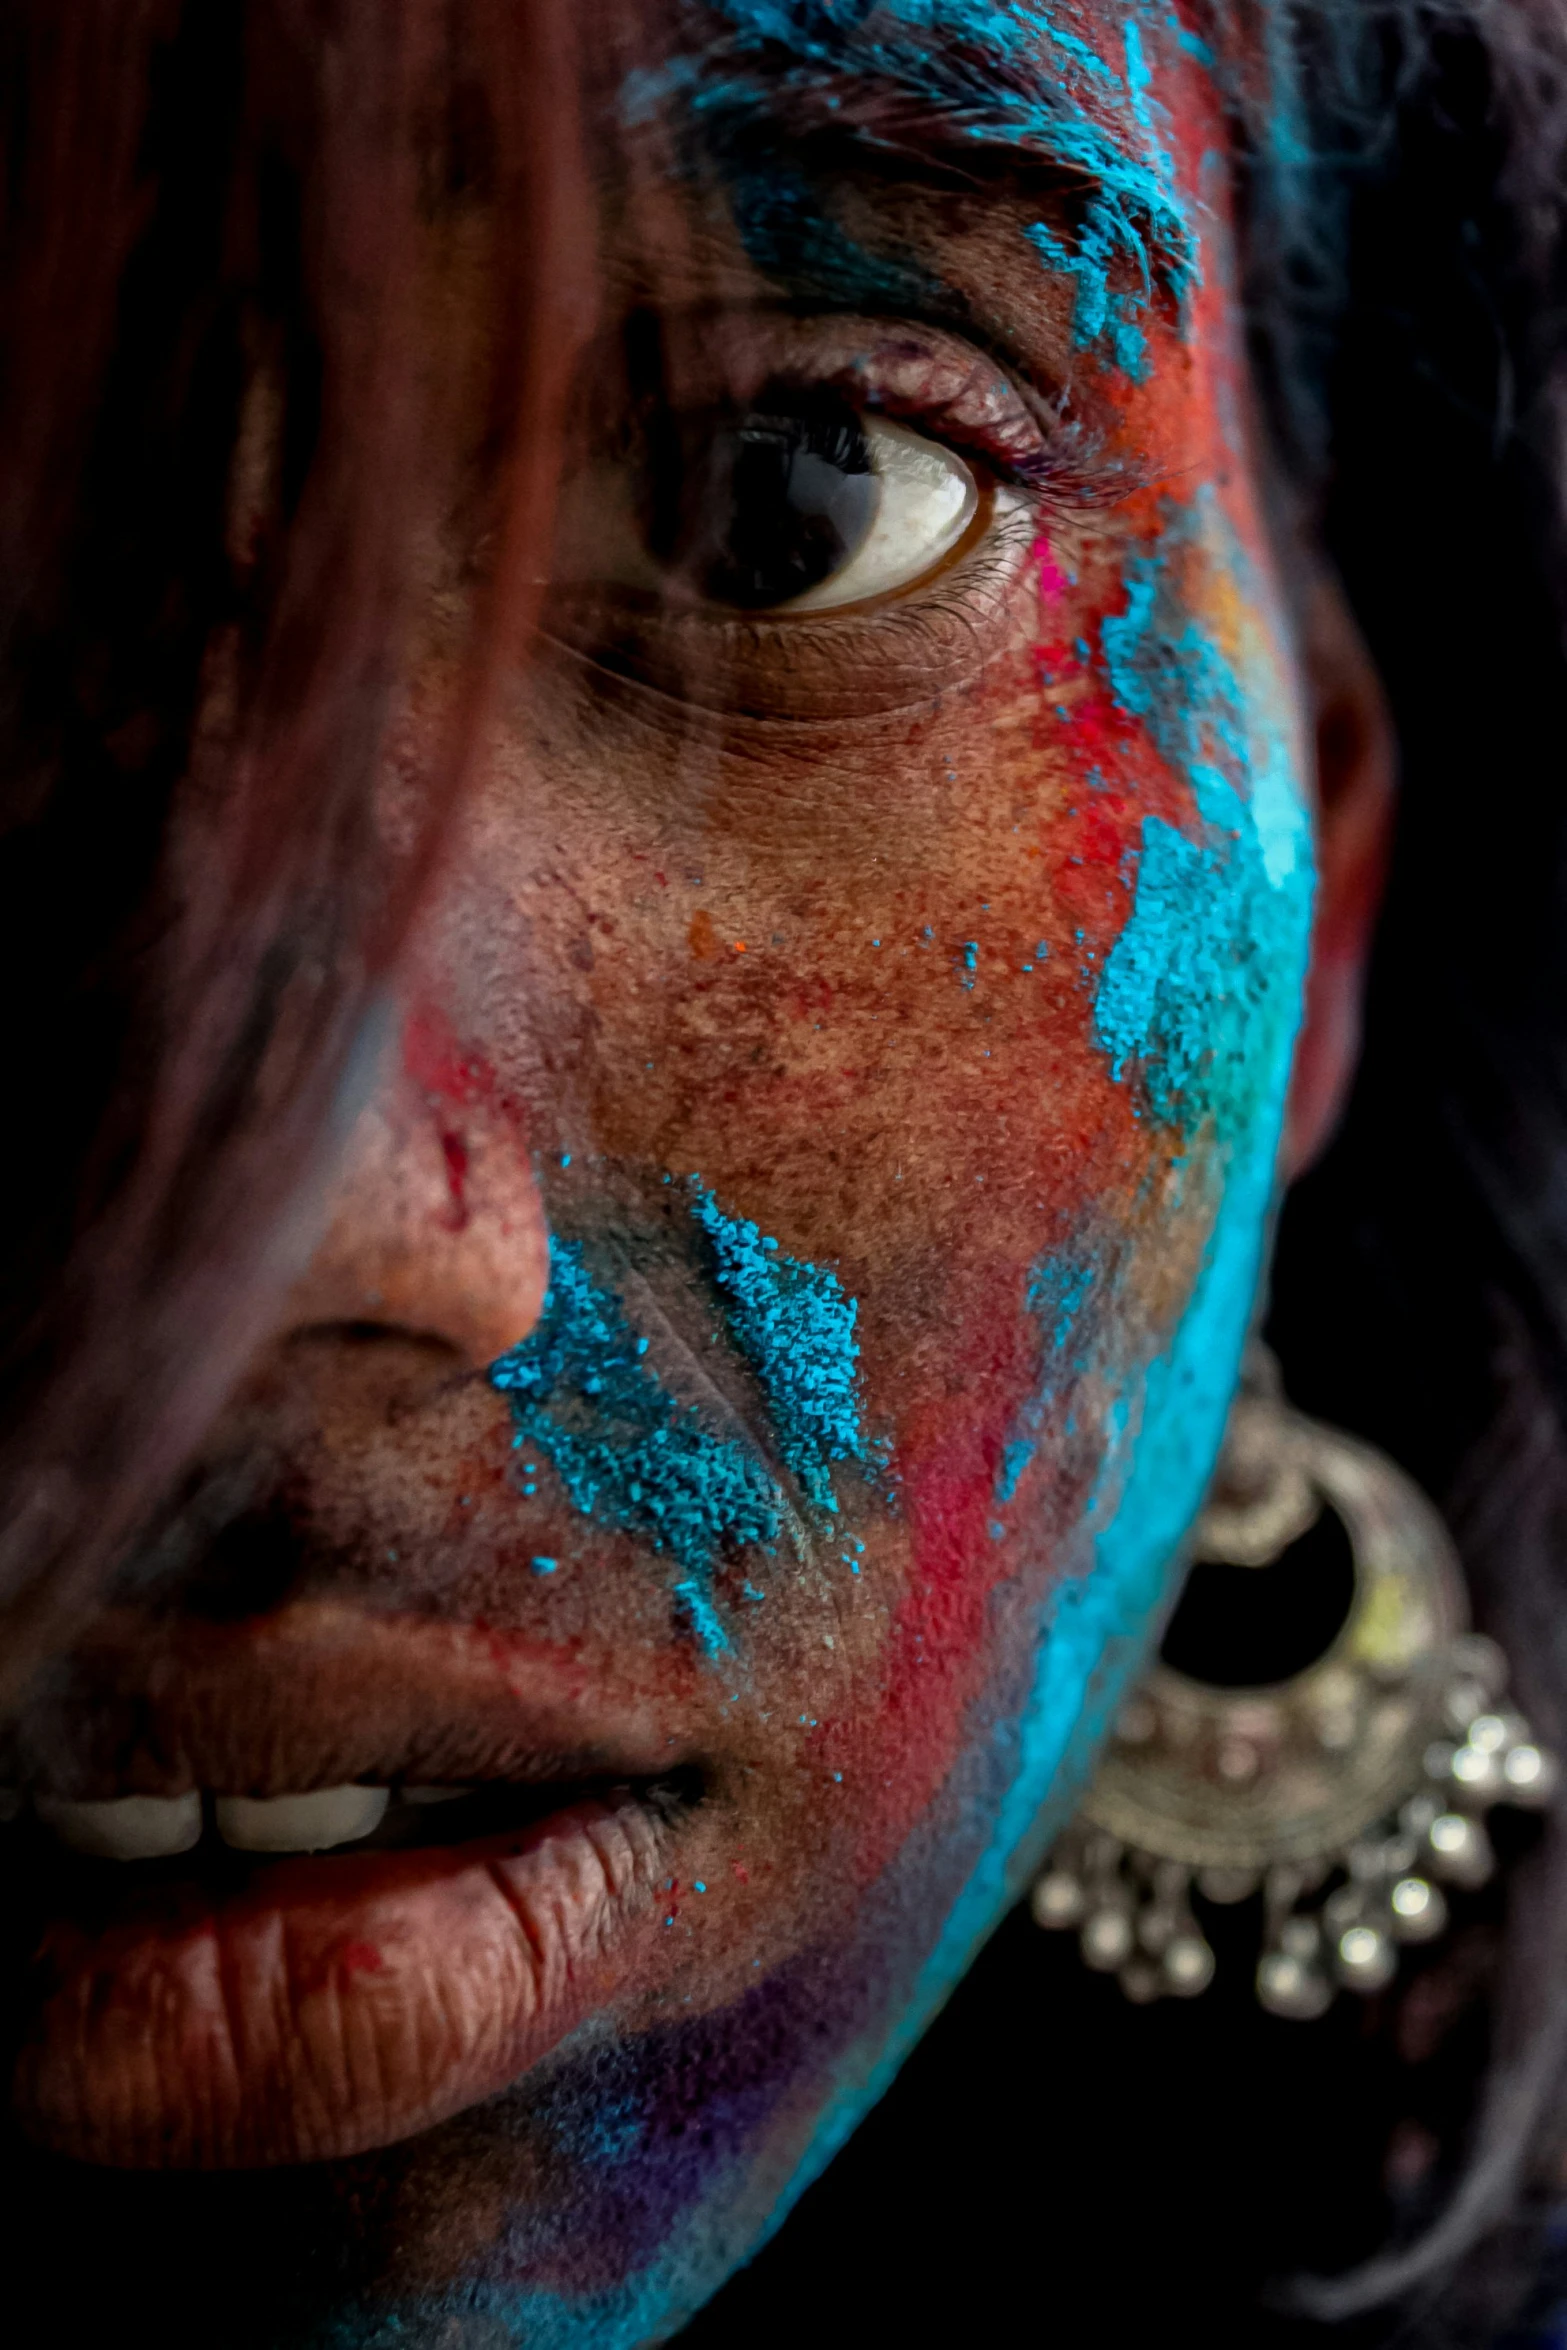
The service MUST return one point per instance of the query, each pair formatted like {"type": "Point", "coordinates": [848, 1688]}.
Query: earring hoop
{"type": "Point", "coordinates": [1349, 1794]}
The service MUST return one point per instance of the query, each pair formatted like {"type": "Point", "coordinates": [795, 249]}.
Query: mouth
{"type": "Point", "coordinates": [242, 1941]}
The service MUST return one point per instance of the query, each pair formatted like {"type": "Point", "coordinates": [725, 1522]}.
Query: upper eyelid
{"type": "Point", "coordinates": [1024, 469]}
{"type": "Point", "coordinates": [718, 346]}
{"type": "Point", "coordinates": [1026, 448]}
{"type": "Point", "coordinates": [1064, 464]}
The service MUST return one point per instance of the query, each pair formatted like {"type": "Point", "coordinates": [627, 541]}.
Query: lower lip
{"type": "Point", "coordinates": [339, 2004]}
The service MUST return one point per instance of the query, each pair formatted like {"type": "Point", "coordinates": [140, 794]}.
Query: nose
{"type": "Point", "coordinates": [436, 1228]}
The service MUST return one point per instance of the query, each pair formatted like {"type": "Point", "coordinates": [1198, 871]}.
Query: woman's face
{"type": "Point", "coordinates": [781, 1307]}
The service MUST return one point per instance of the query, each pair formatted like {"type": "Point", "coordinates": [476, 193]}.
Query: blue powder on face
{"type": "Point", "coordinates": [1099, 312]}
{"type": "Point", "coordinates": [629, 1453]}
{"type": "Point", "coordinates": [795, 1327]}
{"type": "Point", "coordinates": [786, 233]}
{"type": "Point", "coordinates": [1201, 990]}
{"type": "Point", "coordinates": [1168, 974]}
{"type": "Point", "coordinates": [1057, 1289]}
{"type": "Point", "coordinates": [632, 1456]}
{"type": "Point", "coordinates": [1007, 77]}
{"type": "Point", "coordinates": [693, 1597]}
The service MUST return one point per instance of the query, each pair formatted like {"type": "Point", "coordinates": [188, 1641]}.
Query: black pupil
{"type": "Point", "coordinates": [770, 504]}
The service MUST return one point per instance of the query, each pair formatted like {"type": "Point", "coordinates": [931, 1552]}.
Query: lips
{"type": "Point", "coordinates": [334, 2005]}
{"type": "Point", "coordinates": [217, 2010]}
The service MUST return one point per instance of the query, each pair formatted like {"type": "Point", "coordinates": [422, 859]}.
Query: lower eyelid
{"type": "Point", "coordinates": [855, 664]}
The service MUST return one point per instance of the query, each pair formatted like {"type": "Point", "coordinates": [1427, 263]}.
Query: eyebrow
{"type": "Point", "coordinates": [967, 86]}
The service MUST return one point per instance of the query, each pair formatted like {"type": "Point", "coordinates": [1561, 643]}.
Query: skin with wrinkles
{"type": "Point", "coordinates": [779, 1316]}
{"type": "Point", "coordinates": [268, 2054]}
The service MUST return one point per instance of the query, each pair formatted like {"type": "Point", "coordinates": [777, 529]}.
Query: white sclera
{"type": "Point", "coordinates": [928, 499]}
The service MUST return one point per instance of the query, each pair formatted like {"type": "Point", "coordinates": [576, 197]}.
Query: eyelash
{"type": "Point", "coordinates": [890, 652]}
{"type": "Point", "coordinates": [1042, 471]}
{"type": "Point", "coordinates": [1059, 462]}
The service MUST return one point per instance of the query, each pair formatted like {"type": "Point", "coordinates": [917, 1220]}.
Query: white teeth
{"type": "Point", "coordinates": [434, 1794]}
{"type": "Point", "coordinates": [300, 1823]}
{"type": "Point", "coordinates": [151, 1827]}
{"type": "Point", "coordinates": [134, 1827]}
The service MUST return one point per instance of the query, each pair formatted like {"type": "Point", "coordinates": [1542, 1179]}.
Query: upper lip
{"type": "Point", "coordinates": [319, 1694]}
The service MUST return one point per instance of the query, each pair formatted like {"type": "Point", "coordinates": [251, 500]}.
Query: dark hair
{"type": "Point", "coordinates": [1410, 299]}
{"type": "Point", "coordinates": [215, 468]}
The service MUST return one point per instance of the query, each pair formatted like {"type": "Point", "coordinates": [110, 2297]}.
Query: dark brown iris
{"type": "Point", "coordinates": [765, 505]}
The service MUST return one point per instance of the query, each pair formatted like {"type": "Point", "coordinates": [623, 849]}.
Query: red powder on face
{"type": "Point", "coordinates": [455, 1152]}
{"type": "Point", "coordinates": [359, 1958]}
{"type": "Point", "coordinates": [1052, 579]}
{"type": "Point", "coordinates": [436, 1061]}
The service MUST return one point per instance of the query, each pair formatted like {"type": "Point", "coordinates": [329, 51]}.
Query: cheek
{"type": "Point", "coordinates": [1002, 1458]}
{"type": "Point", "coordinates": [854, 1036]}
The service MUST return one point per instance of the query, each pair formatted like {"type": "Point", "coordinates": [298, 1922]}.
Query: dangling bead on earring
{"type": "Point", "coordinates": [1348, 1794]}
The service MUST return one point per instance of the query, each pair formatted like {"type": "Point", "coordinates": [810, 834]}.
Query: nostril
{"type": "Point", "coordinates": [368, 1333]}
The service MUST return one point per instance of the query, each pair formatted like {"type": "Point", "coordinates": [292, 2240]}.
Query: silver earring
{"type": "Point", "coordinates": [1349, 1795]}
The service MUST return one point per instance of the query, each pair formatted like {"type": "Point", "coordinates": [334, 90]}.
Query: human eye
{"type": "Point", "coordinates": [795, 518]}
{"type": "Point", "coordinates": [804, 504]}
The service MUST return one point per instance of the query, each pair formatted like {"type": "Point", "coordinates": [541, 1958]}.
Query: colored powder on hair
{"type": "Point", "coordinates": [1099, 313]}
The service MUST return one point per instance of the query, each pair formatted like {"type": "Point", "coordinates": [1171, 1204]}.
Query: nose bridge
{"type": "Point", "coordinates": [436, 1225]}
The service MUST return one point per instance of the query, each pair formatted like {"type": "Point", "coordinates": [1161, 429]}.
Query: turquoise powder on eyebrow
{"type": "Point", "coordinates": [1004, 73]}
{"type": "Point", "coordinates": [795, 1327]}
{"type": "Point", "coordinates": [1099, 314]}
